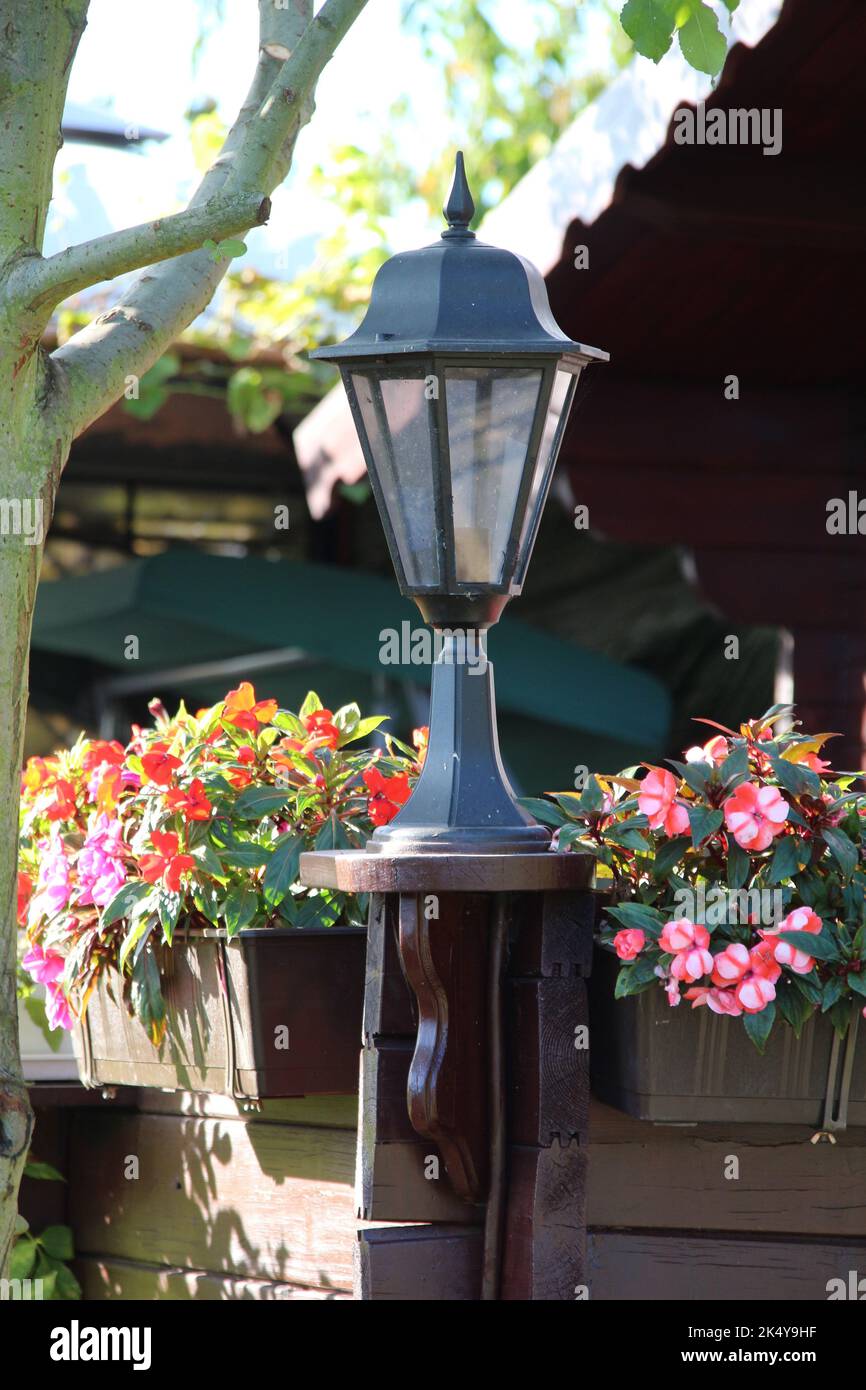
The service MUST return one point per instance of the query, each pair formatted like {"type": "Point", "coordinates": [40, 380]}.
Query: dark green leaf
{"type": "Point", "coordinates": [739, 865]}
{"type": "Point", "coordinates": [758, 1026]}
{"type": "Point", "coordinates": [126, 902]}
{"type": "Point", "coordinates": [704, 822]}
{"type": "Point", "coordinates": [256, 802]}
{"type": "Point", "coordinates": [857, 981]}
{"type": "Point", "coordinates": [795, 778]}
{"type": "Point", "coordinates": [843, 850]}
{"type": "Point", "coordinates": [282, 870]}
{"type": "Point", "coordinates": [695, 775]}
{"type": "Point", "coordinates": [794, 1007]}
{"type": "Point", "coordinates": [633, 979]}
{"type": "Point", "coordinates": [146, 996]}
{"type": "Point", "coordinates": [640, 915]}
{"type": "Point", "coordinates": [785, 861]}
{"type": "Point", "coordinates": [670, 853]}
{"type": "Point", "coordinates": [543, 811]}
{"type": "Point", "coordinates": [240, 908]}
{"type": "Point", "coordinates": [822, 945]}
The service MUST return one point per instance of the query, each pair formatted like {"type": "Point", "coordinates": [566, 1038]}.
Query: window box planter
{"type": "Point", "coordinates": [267, 1014]}
{"type": "Point", "coordinates": [688, 1065]}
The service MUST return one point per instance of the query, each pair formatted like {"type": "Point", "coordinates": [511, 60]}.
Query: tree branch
{"type": "Point", "coordinates": [36, 282]}
{"type": "Point", "coordinates": [90, 371]}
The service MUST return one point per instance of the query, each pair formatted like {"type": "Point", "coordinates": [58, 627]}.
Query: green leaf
{"type": "Point", "coordinates": [731, 5]}
{"type": "Point", "coordinates": [640, 915]}
{"type": "Point", "coordinates": [735, 768]}
{"type": "Point", "coordinates": [132, 938]}
{"type": "Point", "coordinates": [843, 850]}
{"type": "Point", "coordinates": [282, 870]}
{"type": "Point", "coordinates": [809, 988]}
{"type": "Point", "coordinates": [249, 856]}
{"type": "Point", "coordinates": [126, 902]}
{"type": "Point", "coordinates": [857, 982]}
{"type": "Point", "coordinates": [543, 811]}
{"type": "Point", "coordinates": [703, 45]}
{"type": "Point", "coordinates": [35, 1006]}
{"type": "Point", "coordinates": [786, 859]}
{"type": "Point", "coordinates": [840, 1016]}
{"type": "Point", "coordinates": [628, 838]}
{"type": "Point", "coordinates": [739, 865]}
{"type": "Point", "coordinates": [22, 1257]}
{"type": "Point", "coordinates": [758, 1026]}
{"type": "Point", "coordinates": [650, 26]}
{"type": "Point", "coordinates": [704, 821]}
{"type": "Point", "coordinates": [57, 1241]}
{"type": "Point", "coordinates": [331, 834]}
{"type": "Point", "coordinates": [42, 1171]}
{"type": "Point", "coordinates": [670, 853]}
{"type": "Point", "coordinates": [695, 775]}
{"type": "Point", "coordinates": [146, 996]}
{"type": "Point", "coordinates": [240, 908]}
{"type": "Point", "coordinates": [168, 906]}
{"type": "Point", "coordinates": [822, 945]}
{"type": "Point", "coordinates": [67, 1286]}
{"type": "Point", "coordinates": [311, 704]}
{"type": "Point", "coordinates": [795, 778]}
{"type": "Point", "coordinates": [634, 978]}
{"type": "Point", "coordinates": [362, 728]}
{"type": "Point", "coordinates": [794, 1007]}
{"type": "Point", "coordinates": [833, 990]}
{"type": "Point", "coordinates": [256, 802]}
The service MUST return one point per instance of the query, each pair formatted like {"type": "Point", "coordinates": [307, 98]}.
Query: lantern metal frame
{"type": "Point", "coordinates": [455, 305]}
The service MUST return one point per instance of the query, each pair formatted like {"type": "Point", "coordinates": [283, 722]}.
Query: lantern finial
{"type": "Point", "coordinates": [460, 209]}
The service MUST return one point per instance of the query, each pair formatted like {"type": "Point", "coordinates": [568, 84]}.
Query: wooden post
{"type": "Point", "coordinates": [474, 1073]}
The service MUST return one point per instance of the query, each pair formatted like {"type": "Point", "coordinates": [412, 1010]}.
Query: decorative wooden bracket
{"type": "Point", "coordinates": [443, 950]}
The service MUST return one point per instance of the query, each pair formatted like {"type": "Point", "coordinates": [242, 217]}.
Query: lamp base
{"type": "Point", "coordinates": [461, 803]}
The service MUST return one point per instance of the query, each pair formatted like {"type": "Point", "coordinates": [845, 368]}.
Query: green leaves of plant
{"type": "Point", "coordinates": [651, 24]}
{"type": "Point", "coordinates": [256, 802]}
{"type": "Point", "coordinates": [704, 822]}
{"type": "Point", "coordinates": [240, 908]}
{"type": "Point", "coordinates": [759, 1026]}
{"type": "Point", "coordinates": [701, 42]}
{"type": "Point", "coordinates": [843, 850]}
{"type": "Point", "coordinates": [282, 868]}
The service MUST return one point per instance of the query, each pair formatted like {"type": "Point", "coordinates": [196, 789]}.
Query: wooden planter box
{"type": "Point", "coordinates": [687, 1065]}
{"type": "Point", "coordinates": [232, 1005]}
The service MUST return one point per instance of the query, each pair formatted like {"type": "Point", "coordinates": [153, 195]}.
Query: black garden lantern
{"type": "Point", "coordinates": [460, 384]}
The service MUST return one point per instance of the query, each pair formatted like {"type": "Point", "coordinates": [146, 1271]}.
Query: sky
{"type": "Point", "coordinates": [140, 63]}
{"type": "Point", "coordinates": [375, 64]}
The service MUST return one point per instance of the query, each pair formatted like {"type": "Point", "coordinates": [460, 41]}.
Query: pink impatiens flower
{"type": "Point", "coordinates": [57, 1009]}
{"type": "Point", "coordinates": [731, 964]}
{"type": "Point", "coordinates": [682, 934]}
{"type": "Point", "coordinates": [101, 871]}
{"type": "Point", "coordinates": [755, 814]}
{"type": "Point", "coordinates": [802, 919]}
{"type": "Point", "coordinates": [713, 752]}
{"type": "Point", "coordinates": [692, 964]}
{"type": "Point", "coordinates": [629, 943]}
{"type": "Point", "coordinates": [657, 801]}
{"type": "Point", "coordinates": [54, 886]}
{"type": "Point", "coordinates": [43, 966]}
{"type": "Point", "coordinates": [719, 1001]}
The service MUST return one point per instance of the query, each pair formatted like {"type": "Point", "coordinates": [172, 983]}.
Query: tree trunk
{"type": "Point", "coordinates": [46, 401]}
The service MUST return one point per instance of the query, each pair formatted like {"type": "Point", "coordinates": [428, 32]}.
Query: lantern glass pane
{"type": "Point", "coordinates": [399, 427]}
{"type": "Point", "coordinates": [490, 415]}
{"type": "Point", "coordinates": [558, 408]}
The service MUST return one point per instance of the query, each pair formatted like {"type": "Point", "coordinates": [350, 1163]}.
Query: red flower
{"type": "Point", "coordinates": [63, 808]}
{"type": "Point", "coordinates": [192, 803]}
{"type": "Point", "coordinates": [38, 772]}
{"type": "Point", "coordinates": [388, 794]}
{"type": "Point", "coordinates": [420, 740]}
{"type": "Point", "coordinates": [166, 865]}
{"type": "Point", "coordinates": [159, 766]}
{"type": "Point", "coordinates": [25, 893]}
{"type": "Point", "coordinates": [243, 710]}
{"type": "Point", "coordinates": [321, 725]}
{"type": "Point", "coordinates": [100, 751]}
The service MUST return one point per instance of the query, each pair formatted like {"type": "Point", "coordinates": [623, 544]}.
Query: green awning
{"type": "Point", "coordinates": [188, 609]}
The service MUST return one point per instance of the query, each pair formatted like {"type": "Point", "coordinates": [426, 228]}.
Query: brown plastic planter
{"type": "Point", "coordinates": [689, 1065]}
{"type": "Point", "coordinates": [223, 1037]}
